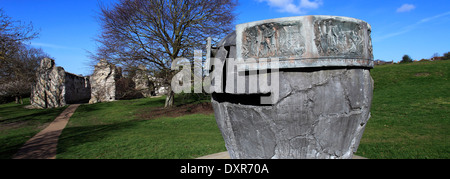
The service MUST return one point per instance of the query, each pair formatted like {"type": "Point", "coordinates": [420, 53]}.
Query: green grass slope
{"type": "Point", "coordinates": [410, 112]}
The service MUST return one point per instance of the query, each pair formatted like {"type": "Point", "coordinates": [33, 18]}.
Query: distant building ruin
{"type": "Point", "coordinates": [142, 82]}
{"type": "Point", "coordinates": [56, 88]}
{"type": "Point", "coordinates": [103, 82]}
{"type": "Point", "coordinates": [159, 88]}
{"type": "Point", "coordinates": [381, 62]}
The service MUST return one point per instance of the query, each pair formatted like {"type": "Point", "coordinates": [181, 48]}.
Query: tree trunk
{"type": "Point", "coordinates": [169, 99]}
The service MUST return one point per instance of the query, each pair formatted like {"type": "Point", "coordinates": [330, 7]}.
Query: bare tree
{"type": "Point", "coordinates": [156, 32]}
{"type": "Point", "coordinates": [435, 55]}
{"type": "Point", "coordinates": [12, 33]}
{"type": "Point", "coordinates": [18, 62]}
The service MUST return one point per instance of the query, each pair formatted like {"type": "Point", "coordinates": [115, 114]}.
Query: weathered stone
{"type": "Point", "coordinates": [142, 82]}
{"type": "Point", "coordinates": [78, 89]}
{"type": "Point", "coordinates": [273, 39]}
{"type": "Point", "coordinates": [325, 88]}
{"type": "Point", "coordinates": [307, 41]}
{"type": "Point", "coordinates": [103, 82]}
{"type": "Point", "coordinates": [159, 87]}
{"type": "Point", "coordinates": [56, 88]}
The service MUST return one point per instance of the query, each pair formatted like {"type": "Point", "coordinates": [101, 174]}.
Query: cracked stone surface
{"type": "Point", "coordinates": [55, 87]}
{"type": "Point", "coordinates": [321, 111]}
{"type": "Point", "coordinates": [314, 119]}
{"type": "Point", "coordinates": [103, 82]}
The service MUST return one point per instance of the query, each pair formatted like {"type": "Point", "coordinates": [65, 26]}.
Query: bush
{"type": "Point", "coordinates": [406, 59]}
{"type": "Point", "coordinates": [446, 56]}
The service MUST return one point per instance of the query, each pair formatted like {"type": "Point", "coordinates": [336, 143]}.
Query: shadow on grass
{"type": "Point", "coordinates": [17, 125]}
{"type": "Point", "coordinates": [74, 137]}
{"type": "Point", "coordinates": [47, 115]}
{"type": "Point", "coordinates": [153, 102]}
{"type": "Point", "coordinates": [93, 107]}
{"type": "Point", "coordinates": [11, 144]}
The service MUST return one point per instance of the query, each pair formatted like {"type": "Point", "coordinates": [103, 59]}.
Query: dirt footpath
{"type": "Point", "coordinates": [43, 145]}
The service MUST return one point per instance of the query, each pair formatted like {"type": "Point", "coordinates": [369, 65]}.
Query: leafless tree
{"type": "Point", "coordinates": [18, 62]}
{"type": "Point", "coordinates": [435, 55]}
{"type": "Point", "coordinates": [13, 33]}
{"type": "Point", "coordinates": [156, 32]}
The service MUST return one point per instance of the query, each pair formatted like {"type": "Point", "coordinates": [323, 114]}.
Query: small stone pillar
{"type": "Point", "coordinates": [324, 88]}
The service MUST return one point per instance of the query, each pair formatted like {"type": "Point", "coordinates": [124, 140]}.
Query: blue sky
{"type": "Point", "coordinates": [418, 28]}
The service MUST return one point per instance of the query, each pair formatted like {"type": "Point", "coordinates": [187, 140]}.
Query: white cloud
{"type": "Point", "coordinates": [406, 8]}
{"type": "Point", "coordinates": [310, 5]}
{"type": "Point", "coordinates": [38, 44]}
{"type": "Point", "coordinates": [294, 6]}
{"type": "Point", "coordinates": [411, 27]}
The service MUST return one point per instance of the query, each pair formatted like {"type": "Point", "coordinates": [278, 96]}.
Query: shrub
{"type": "Point", "coordinates": [446, 56]}
{"type": "Point", "coordinates": [406, 59]}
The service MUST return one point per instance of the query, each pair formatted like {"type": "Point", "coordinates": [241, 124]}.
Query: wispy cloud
{"type": "Point", "coordinates": [411, 26]}
{"type": "Point", "coordinates": [38, 44]}
{"type": "Point", "coordinates": [434, 17]}
{"type": "Point", "coordinates": [294, 6]}
{"type": "Point", "coordinates": [406, 8]}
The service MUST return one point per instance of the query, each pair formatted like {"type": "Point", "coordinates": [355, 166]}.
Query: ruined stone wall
{"type": "Point", "coordinates": [103, 82]}
{"type": "Point", "coordinates": [142, 82]}
{"type": "Point", "coordinates": [56, 88]}
{"type": "Point", "coordinates": [78, 89]}
{"type": "Point", "coordinates": [49, 89]}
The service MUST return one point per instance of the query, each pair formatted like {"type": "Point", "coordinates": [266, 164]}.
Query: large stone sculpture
{"type": "Point", "coordinates": [103, 82]}
{"type": "Point", "coordinates": [55, 87]}
{"type": "Point", "coordinates": [324, 88]}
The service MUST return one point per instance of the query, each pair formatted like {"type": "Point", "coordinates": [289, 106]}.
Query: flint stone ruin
{"type": "Point", "coordinates": [325, 88]}
{"type": "Point", "coordinates": [142, 82]}
{"type": "Point", "coordinates": [56, 88]}
{"type": "Point", "coordinates": [103, 82]}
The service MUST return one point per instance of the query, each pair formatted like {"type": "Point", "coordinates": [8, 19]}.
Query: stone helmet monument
{"type": "Point", "coordinates": [323, 88]}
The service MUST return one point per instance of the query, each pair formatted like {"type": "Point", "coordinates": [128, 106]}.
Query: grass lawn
{"type": "Point", "coordinates": [18, 124]}
{"type": "Point", "coordinates": [410, 112]}
{"type": "Point", "coordinates": [112, 130]}
{"type": "Point", "coordinates": [410, 119]}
